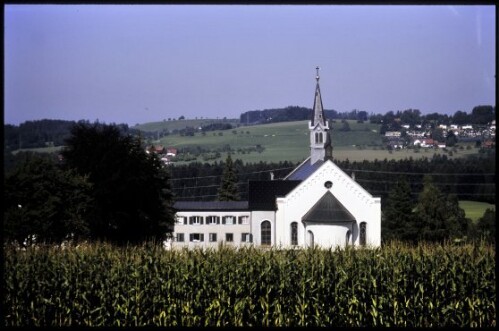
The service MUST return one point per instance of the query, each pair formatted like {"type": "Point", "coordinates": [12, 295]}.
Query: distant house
{"type": "Point", "coordinates": [392, 134]}
{"type": "Point", "coordinates": [425, 143]}
{"type": "Point", "coordinates": [440, 144]}
{"type": "Point", "coordinates": [489, 143]}
{"type": "Point", "coordinates": [171, 151]}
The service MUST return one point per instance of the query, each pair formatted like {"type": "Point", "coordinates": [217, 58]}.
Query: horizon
{"type": "Point", "coordinates": [147, 63]}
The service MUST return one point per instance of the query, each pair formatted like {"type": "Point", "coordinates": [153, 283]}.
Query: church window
{"type": "Point", "coordinates": [328, 184]}
{"type": "Point", "coordinates": [266, 233]}
{"type": "Point", "coordinates": [363, 226]}
{"type": "Point", "coordinates": [318, 137]}
{"type": "Point", "coordinates": [294, 233]}
{"type": "Point", "coordinates": [348, 236]}
{"type": "Point", "coordinates": [310, 239]}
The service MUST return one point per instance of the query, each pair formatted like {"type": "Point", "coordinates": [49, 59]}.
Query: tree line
{"type": "Point", "coordinates": [105, 187]}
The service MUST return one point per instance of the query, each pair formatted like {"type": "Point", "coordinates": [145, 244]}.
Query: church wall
{"type": "Point", "coordinates": [359, 202]}
{"type": "Point", "coordinates": [257, 217]}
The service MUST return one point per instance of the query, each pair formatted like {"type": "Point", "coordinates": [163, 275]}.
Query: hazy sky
{"type": "Point", "coordinates": [136, 64]}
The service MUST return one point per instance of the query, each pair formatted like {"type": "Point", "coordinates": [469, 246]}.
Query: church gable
{"type": "Point", "coordinates": [347, 191]}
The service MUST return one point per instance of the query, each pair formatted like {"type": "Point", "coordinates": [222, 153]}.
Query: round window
{"type": "Point", "coordinates": [328, 184]}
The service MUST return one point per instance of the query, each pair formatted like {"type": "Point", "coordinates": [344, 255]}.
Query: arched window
{"type": "Point", "coordinates": [318, 137]}
{"type": "Point", "coordinates": [348, 236]}
{"type": "Point", "coordinates": [310, 238]}
{"type": "Point", "coordinates": [266, 233]}
{"type": "Point", "coordinates": [363, 229]}
{"type": "Point", "coordinates": [294, 233]}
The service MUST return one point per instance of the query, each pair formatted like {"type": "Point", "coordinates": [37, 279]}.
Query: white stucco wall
{"type": "Point", "coordinates": [220, 229]}
{"type": "Point", "coordinates": [362, 205]}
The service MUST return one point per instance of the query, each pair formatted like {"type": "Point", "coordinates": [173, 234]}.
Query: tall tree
{"type": "Point", "coordinates": [131, 190]}
{"type": "Point", "coordinates": [228, 190]}
{"type": "Point", "coordinates": [438, 216]}
{"type": "Point", "coordinates": [398, 218]}
{"type": "Point", "coordinates": [44, 201]}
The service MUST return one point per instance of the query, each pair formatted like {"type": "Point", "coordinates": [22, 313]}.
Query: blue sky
{"type": "Point", "coordinates": [137, 64]}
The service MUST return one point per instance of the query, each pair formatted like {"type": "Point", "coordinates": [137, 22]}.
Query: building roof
{"type": "Point", "coordinates": [328, 210]}
{"type": "Point", "coordinates": [262, 194]}
{"type": "Point", "coordinates": [318, 110]}
{"type": "Point", "coordinates": [211, 205]}
{"type": "Point", "coordinates": [304, 170]}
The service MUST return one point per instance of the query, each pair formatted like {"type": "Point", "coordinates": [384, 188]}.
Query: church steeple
{"type": "Point", "coordinates": [320, 141]}
{"type": "Point", "coordinates": [318, 111]}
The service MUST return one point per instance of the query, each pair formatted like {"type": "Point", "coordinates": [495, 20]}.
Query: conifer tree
{"type": "Point", "coordinates": [228, 190]}
{"type": "Point", "coordinates": [398, 218]}
{"type": "Point", "coordinates": [438, 217]}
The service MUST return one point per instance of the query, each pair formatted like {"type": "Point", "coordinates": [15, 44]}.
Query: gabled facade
{"type": "Point", "coordinates": [316, 204]}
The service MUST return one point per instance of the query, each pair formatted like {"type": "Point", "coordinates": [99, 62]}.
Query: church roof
{"type": "Point", "coordinates": [318, 110]}
{"type": "Point", "coordinates": [211, 205]}
{"type": "Point", "coordinates": [328, 210]}
{"type": "Point", "coordinates": [304, 170]}
{"type": "Point", "coordinates": [262, 194]}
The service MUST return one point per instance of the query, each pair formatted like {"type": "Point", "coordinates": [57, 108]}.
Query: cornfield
{"type": "Point", "coordinates": [396, 285]}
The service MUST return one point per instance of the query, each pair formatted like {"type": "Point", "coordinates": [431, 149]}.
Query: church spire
{"type": "Point", "coordinates": [320, 141]}
{"type": "Point", "coordinates": [318, 111]}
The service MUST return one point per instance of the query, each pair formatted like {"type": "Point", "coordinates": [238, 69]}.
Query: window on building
{"type": "Point", "coordinates": [348, 236]}
{"type": "Point", "coordinates": [243, 220]}
{"type": "Point", "coordinates": [212, 219]}
{"type": "Point", "coordinates": [294, 233]}
{"type": "Point", "coordinates": [229, 220]}
{"type": "Point", "coordinates": [196, 237]}
{"type": "Point", "coordinates": [266, 233]}
{"type": "Point", "coordinates": [246, 238]}
{"type": "Point", "coordinates": [363, 229]}
{"type": "Point", "coordinates": [318, 138]}
{"type": "Point", "coordinates": [196, 220]}
{"type": "Point", "coordinates": [180, 237]}
{"type": "Point", "coordinates": [229, 237]}
{"type": "Point", "coordinates": [181, 220]}
{"type": "Point", "coordinates": [213, 237]}
{"type": "Point", "coordinates": [310, 239]}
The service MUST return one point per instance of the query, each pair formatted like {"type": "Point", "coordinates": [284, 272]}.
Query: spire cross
{"type": "Point", "coordinates": [317, 77]}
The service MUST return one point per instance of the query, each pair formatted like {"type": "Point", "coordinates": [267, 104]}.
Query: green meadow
{"type": "Point", "coordinates": [474, 209]}
{"type": "Point", "coordinates": [284, 141]}
{"type": "Point", "coordinates": [289, 141]}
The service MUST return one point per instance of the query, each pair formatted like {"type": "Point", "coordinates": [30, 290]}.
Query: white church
{"type": "Point", "coordinates": [316, 204]}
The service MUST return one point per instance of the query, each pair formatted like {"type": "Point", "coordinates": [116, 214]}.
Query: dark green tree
{"type": "Point", "coordinates": [437, 216]}
{"type": "Point", "coordinates": [398, 218]}
{"type": "Point", "coordinates": [131, 190]}
{"type": "Point", "coordinates": [486, 225]}
{"type": "Point", "coordinates": [228, 190]}
{"type": "Point", "coordinates": [45, 201]}
{"type": "Point", "coordinates": [451, 138]}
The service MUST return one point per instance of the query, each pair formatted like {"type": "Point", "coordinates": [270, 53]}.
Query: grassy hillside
{"type": "Point", "coordinates": [284, 141]}
{"type": "Point", "coordinates": [180, 124]}
{"type": "Point", "coordinates": [474, 210]}
{"type": "Point", "coordinates": [289, 141]}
